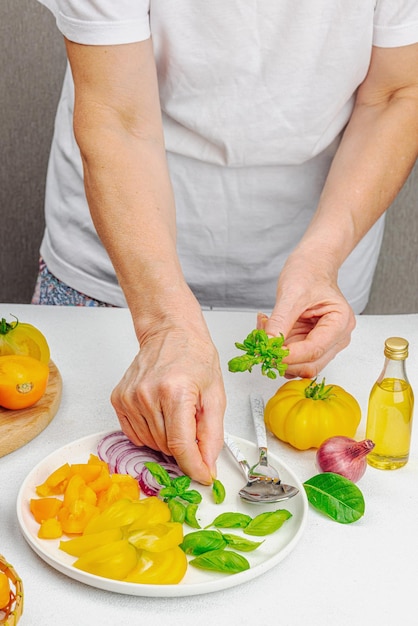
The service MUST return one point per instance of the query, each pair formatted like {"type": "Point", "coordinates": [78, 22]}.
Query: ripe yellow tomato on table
{"type": "Point", "coordinates": [24, 340]}
{"type": "Point", "coordinates": [304, 413]}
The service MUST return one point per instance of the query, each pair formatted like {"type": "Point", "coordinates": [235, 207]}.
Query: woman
{"type": "Point", "coordinates": [232, 155]}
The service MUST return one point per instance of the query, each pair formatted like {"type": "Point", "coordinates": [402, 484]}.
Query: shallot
{"type": "Point", "coordinates": [344, 456]}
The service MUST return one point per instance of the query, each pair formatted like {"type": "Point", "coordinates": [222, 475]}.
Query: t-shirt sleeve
{"type": "Point", "coordinates": [395, 23]}
{"type": "Point", "coordinates": [101, 22]}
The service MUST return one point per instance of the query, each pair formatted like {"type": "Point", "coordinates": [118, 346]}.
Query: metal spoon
{"type": "Point", "coordinates": [258, 490]}
{"type": "Point", "coordinates": [262, 470]}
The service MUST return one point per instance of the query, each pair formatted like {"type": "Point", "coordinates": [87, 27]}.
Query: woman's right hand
{"type": "Point", "coordinates": [172, 399]}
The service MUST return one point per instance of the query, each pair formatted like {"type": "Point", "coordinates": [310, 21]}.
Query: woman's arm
{"type": "Point", "coordinates": [172, 397]}
{"type": "Point", "coordinates": [376, 154]}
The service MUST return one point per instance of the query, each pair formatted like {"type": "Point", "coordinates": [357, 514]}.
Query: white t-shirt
{"type": "Point", "coordinates": [254, 99]}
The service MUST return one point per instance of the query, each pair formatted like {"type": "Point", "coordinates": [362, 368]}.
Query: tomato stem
{"type": "Point", "coordinates": [5, 327]}
{"type": "Point", "coordinates": [317, 391]}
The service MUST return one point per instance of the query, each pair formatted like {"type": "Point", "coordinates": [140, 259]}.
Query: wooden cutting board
{"type": "Point", "coordinates": [17, 428]}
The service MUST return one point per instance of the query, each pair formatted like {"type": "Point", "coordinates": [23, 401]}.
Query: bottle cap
{"type": "Point", "coordinates": [396, 348]}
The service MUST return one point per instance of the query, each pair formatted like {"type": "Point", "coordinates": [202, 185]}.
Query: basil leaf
{"type": "Point", "coordinates": [160, 473]}
{"type": "Point", "coordinates": [191, 495]}
{"type": "Point", "coordinates": [242, 363]}
{"type": "Point", "coordinates": [177, 509]}
{"type": "Point", "coordinates": [202, 541]}
{"type": "Point", "coordinates": [224, 561]}
{"type": "Point", "coordinates": [218, 491]}
{"type": "Point", "coordinates": [190, 518]}
{"type": "Point", "coordinates": [181, 484]}
{"type": "Point", "coordinates": [267, 523]}
{"type": "Point", "coordinates": [240, 543]}
{"type": "Point", "coordinates": [335, 496]}
{"type": "Point", "coordinates": [231, 520]}
{"type": "Point", "coordinates": [167, 492]}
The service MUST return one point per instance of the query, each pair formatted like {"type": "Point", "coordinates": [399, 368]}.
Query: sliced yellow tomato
{"type": "Point", "coordinates": [77, 546]}
{"type": "Point", "coordinates": [152, 511]}
{"type": "Point", "coordinates": [114, 560]}
{"type": "Point", "coordinates": [159, 568]}
{"type": "Point", "coordinates": [23, 339]}
{"type": "Point", "coordinates": [120, 513]}
{"type": "Point", "coordinates": [158, 537]}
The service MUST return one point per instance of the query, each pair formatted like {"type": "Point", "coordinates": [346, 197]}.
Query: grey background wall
{"type": "Point", "coordinates": [32, 62]}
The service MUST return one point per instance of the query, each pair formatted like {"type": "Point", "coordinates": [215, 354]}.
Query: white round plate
{"type": "Point", "coordinates": [274, 549]}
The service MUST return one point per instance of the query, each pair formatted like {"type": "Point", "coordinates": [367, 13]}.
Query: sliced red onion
{"type": "Point", "coordinates": [124, 457]}
{"type": "Point", "coordinates": [107, 441]}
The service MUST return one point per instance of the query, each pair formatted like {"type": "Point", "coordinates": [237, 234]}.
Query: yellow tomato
{"type": "Point", "coordinates": [157, 537]}
{"type": "Point", "coordinates": [23, 339]}
{"type": "Point", "coordinates": [23, 381]}
{"type": "Point", "coordinates": [77, 546]}
{"type": "Point", "coordinates": [112, 560]}
{"type": "Point", "coordinates": [159, 568]}
{"type": "Point", "coordinates": [304, 413]}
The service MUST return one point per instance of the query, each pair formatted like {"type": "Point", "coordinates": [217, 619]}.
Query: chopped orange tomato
{"type": "Point", "coordinates": [44, 508]}
{"type": "Point", "coordinates": [56, 482]}
{"type": "Point", "coordinates": [78, 490]}
{"type": "Point", "coordinates": [50, 529]}
{"type": "Point", "coordinates": [75, 517]}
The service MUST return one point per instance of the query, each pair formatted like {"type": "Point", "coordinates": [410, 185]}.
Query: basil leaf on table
{"type": "Point", "coordinates": [225, 561]}
{"type": "Point", "coordinates": [267, 523]}
{"type": "Point", "coordinates": [335, 496]}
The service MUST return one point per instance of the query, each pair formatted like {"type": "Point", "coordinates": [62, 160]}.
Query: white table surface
{"type": "Point", "coordinates": [363, 573]}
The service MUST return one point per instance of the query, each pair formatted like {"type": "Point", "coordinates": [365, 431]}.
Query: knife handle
{"type": "Point", "coordinates": [257, 412]}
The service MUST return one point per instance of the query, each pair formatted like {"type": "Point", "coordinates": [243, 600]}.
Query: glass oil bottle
{"type": "Point", "coordinates": [390, 410]}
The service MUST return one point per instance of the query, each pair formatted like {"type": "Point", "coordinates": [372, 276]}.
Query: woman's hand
{"type": "Point", "coordinates": [314, 317]}
{"type": "Point", "coordinates": [172, 399]}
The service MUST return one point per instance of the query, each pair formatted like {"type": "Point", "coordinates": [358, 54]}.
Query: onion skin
{"type": "Point", "coordinates": [344, 456]}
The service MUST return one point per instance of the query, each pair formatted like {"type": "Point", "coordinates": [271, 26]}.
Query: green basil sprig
{"type": "Point", "coordinates": [175, 491]}
{"type": "Point", "coordinates": [260, 349]}
{"type": "Point", "coordinates": [335, 496]}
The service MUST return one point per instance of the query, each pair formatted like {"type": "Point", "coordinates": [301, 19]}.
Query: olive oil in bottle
{"type": "Point", "coordinates": [390, 410]}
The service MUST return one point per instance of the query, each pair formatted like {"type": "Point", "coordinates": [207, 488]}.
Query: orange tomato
{"type": "Point", "coordinates": [23, 381]}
